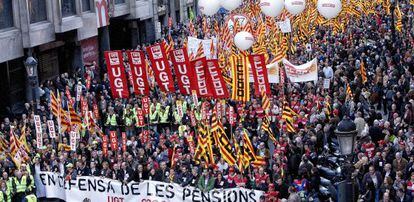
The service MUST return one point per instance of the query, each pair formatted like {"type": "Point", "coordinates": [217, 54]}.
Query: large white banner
{"type": "Point", "coordinates": [96, 189]}
{"type": "Point", "coordinates": [194, 43]}
{"type": "Point", "coordinates": [301, 73]}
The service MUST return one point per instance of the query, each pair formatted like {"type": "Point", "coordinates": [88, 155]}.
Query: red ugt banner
{"type": "Point", "coordinates": [219, 86]}
{"type": "Point", "coordinates": [261, 81]}
{"type": "Point", "coordinates": [182, 70]}
{"type": "Point", "coordinates": [138, 72]}
{"type": "Point", "coordinates": [105, 145]}
{"type": "Point", "coordinates": [116, 73]}
{"type": "Point", "coordinates": [200, 76]}
{"type": "Point", "coordinates": [160, 66]}
{"type": "Point", "coordinates": [114, 140]}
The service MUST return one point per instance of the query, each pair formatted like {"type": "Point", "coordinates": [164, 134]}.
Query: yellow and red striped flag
{"type": "Point", "coordinates": [363, 72]}
{"type": "Point", "coordinates": [240, 73]}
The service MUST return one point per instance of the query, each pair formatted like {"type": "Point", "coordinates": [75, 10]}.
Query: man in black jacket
{"type": "Point", "coordinates": [162, 172]}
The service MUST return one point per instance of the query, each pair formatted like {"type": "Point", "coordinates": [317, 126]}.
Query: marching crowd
{"type": "Point", "coordinates": [382, 109]}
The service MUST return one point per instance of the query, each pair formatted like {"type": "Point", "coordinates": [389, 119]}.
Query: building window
{"type": "Point", "coordinates": [86, 5]}
{"type": "Point", "coordinates": [6, 14]}
{"type": "Point", "coordinates": [68, 8]}
{"type": "Point", "coordinates": [119, 1]}
{"type": "Point", "coordinates": [37, 9]}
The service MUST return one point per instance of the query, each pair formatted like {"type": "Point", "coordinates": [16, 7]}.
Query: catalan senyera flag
{"type": "Point", "coordinates": [75, 120]}
{"type": "Point", "coordinates": [287, 115]}
{"type": "Point", "coordinates": [17, 150]}
{"type": "Point", "coordinates": [266, 128]}
{"type": "Point", "coordinates": [349, 94]}
{"type": "Point", "coordinates": [239, 154]}
{"type": "Point", "coordinates": [201, 150]}
{"type": "Point", "coordinates": [248, 151]}
{"type": "Point", "coordinates": [265, 102]}
{"type": "Point", "coordinates": [240, 81]}
{"type": "Point", "coordinates": [224, 145]}
{"type": "Point", "coordinates": [363, 72]}
{"type": "Point", "coordinates": [398, 25]}
{"type": "Point", "coordinates": [23, 139]}
{"type": "Point", "coordinates": [4, 145]}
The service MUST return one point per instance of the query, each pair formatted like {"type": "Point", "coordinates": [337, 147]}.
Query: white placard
{"type": "Point", "coordinates": [73, 139]}
{"type": "Point", "coordinates": [38, 124]}
{"type": "Point", "coordinates": [326, 83]}
{"type": "Point", "coordinates": [51, 128]}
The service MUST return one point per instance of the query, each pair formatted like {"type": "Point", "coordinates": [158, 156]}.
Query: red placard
{"type": "Point", "coordinates": [182, 70]}
{"type": "Point", "coordinates": [215, 78]}
{"type": "Point", "coordinates": [160, 65]}
{"type": "Point", "coordinates": [145, 105]}
{"type": "Point", "coordinates": [105, 145]}
{"type": "Point", "coordinates": [95, 111]}
{"type": "Point", "coordinates": [144, 136]}
{"type": "Point", "coordinates": [114, 140]}
{"type": "Point", "coordinates": [261, 82]}
{"type": "Point", "coordinates": [69, 96]}
{"type": "Point", "coordinates": [138, 72]}
{"type": "Point", "coordinates": [116, 74]}
{"type": "Point", "coordinates": [140, 116]}
{"type": "Point", "coordinates": [124, 142]}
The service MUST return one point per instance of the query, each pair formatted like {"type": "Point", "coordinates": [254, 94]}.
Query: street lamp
{"type": "Point", "coordinates": [346, 134]}
{"type": "Point", "coordinates": [31, 67]}
{"type": "Point", "coordinates": [31, 70]}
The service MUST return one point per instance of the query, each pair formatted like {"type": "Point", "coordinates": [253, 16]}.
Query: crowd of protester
{"type": "Point", "coordinates": [382, 109]}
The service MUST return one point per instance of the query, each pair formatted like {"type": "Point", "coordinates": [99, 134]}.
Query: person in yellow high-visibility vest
{"type": "Point", "coordinates": [20, 182]}
{"type": "Point", "coordinates": [111, 119]}
{"type": "Point", "coordinates": [5, 192]}
{"type": "Point", "coordinates": [30, 197]}
{"type": "Point", "coordinates": [9, 183]}
{"type": "Point", "coordinates": [29, 178]}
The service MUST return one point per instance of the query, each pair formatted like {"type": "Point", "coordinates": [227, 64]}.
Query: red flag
{"type": "Point", "coordinates": [215, 78]}
{"type": "Point", "coordinates": [161, 68]}
{"type": "Point", "coordinates": [261, 81]}
{"type": "Point", "coordinates": [182, 70]}
{"type": "Point", "coordinates": [116, 74]}
{"type": "Point", "coordinates": [138, 72]}
{"type": "Point", "coordinates": [201, 78]}
{"type": "Point", "coordinates": [114, 140]}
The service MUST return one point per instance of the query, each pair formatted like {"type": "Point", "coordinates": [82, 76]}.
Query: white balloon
{"type": "Point", "coordinates": [295, 7]}
{"type": "Point", "coordinates": [272, 8]}
{"type": "Point", "coordinates": [209, 7]}
{"type": "Point", "coordinates": [329, 8]}
{"type": "Point", "coordinates": [243, 40]}
{"type": "Point", "coordinates": [230, 4]}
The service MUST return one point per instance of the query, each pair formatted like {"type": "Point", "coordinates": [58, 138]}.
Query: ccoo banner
{"type": "Point", "coordinates": [96, 189]}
